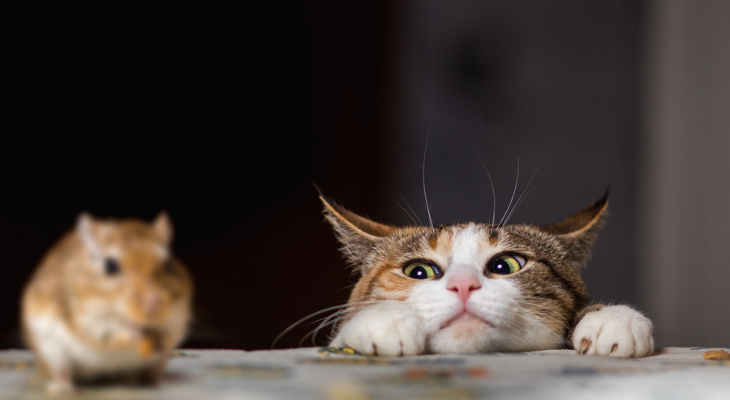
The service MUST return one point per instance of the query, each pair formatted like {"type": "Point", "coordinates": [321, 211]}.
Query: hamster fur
{"type": "Point", "coordinates": [108, 301]}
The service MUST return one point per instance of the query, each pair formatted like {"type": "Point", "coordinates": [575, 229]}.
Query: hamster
{"type": "Point", "coordinates": [107, 302]}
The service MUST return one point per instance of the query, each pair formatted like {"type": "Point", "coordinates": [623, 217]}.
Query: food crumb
{"type": "Point", "coordinates": [716, 355]}
{"type": "Point", "coordinates": [145, 347]}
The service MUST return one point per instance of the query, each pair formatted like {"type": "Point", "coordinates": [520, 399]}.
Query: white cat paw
{"type": "Point", "coordinates": [389, 328]}
{"type": "Point", "coordinates": [618, 331]}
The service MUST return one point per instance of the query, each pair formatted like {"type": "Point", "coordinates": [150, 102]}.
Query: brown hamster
{"type": "Point", "coordinates": [108, 301]}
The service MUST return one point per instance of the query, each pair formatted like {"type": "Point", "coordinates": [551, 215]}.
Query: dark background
{"type": "Point", "coordinates": [227, 117]}
{"type": "Point", "coordinates": [223, 117]}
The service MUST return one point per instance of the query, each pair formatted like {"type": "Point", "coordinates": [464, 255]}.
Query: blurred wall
{"type": "Point", "coordinates": [224, 117]}
{"type": "Point", "coordinates": [685, 181]}
{"type": "Point", "coordinates": [540, 96]}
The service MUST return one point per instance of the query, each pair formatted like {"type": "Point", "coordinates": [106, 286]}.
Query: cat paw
{"type": "Point", "coordinates": [618, 331]}
{"type": "Point", "coordinates": [388, 328]}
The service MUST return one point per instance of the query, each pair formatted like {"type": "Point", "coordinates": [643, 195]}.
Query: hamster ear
{"type": "Point", "coordinates": [579, 231]}
{"type": "Point", "coordinates": [84, 228]}
{"type": "Point", "coordinates": [163, 227]}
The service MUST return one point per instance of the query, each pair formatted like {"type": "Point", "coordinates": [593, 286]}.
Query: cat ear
{"type": "Point", "coordinates": [591, 217]}
{"type": "Point", "coordinates": [579, 231]}
{"type": "Point", "coordinates": [357, 234]}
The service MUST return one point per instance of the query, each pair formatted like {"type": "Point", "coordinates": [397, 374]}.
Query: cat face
{"type": "Point", "coordinates": [474, 287]}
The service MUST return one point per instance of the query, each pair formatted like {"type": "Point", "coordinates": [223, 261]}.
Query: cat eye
{"type": "Point", "coordinates": [506, 264]}
{"type": "Point", "coordinates": [111, 266]}
{"type": "Point", "coordinates": [421, 270]}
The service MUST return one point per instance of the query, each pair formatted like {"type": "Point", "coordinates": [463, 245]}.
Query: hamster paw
{"type": "Point", "coordinates": [388, 328]}
{"type": "Point", "coordinates": [60, 386]}
{"type": "Point", "coordinates": [618, 331]}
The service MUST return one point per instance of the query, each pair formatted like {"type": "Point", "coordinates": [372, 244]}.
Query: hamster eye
{"type": "Point", "coordinates": [506, 264]}
{"type": "Point", "coordinates": [111, 266]}
{"type": "Point", "coordinates": [421, 270]}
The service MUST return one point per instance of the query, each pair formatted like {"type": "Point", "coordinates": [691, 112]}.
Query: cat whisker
{"type": "Point", "coordinates": [503, 221]}
{"type": "Point", "coordinates": [323, 322]}
{"type": "Point", "coordinates": [522, 196]}
{"type": "Point", "coordinates": [345, 288]}
{"type": "Point", "coordinates": [331, 321]}
{"type": "Point", "coordinates": [494, 198]}
{"type": "Point", "coordinates": [334, 319]}
{"type": "Point", "coordinates": [294, 325]}
{"type": "Point", "coordinates": [412, 214]}
{"type": "Point", "coordinates": [339, 310]}
{"type": "Point", "coordinates": [423, 179]}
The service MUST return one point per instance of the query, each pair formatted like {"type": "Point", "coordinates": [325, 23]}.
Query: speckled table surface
{"type": "Point", "coordinates": [323, 373]}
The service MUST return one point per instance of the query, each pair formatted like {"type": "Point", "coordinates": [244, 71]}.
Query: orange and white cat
{"type": "Point", "coordinates": [479, 287]}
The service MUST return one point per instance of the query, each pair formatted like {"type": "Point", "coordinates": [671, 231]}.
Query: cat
{"type": "Point", "coordinates": [478, 287]}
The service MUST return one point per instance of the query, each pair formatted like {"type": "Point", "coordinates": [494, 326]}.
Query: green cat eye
{"type": "Point", "coordinates": [506, 264]}
{"type": "Point", "coordinates": [421, 270]}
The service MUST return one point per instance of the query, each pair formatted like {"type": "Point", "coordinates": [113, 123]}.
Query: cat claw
{"type": "Point", "coordinates": [388, 328]}
{"type": "Point", "coordinates": [585, 344]}
{"type": "Point", "coordinates": [618, 331]}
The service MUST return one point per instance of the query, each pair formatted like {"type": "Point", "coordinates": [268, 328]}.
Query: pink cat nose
{"type": "Point", "coordinates": [463, 280]}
